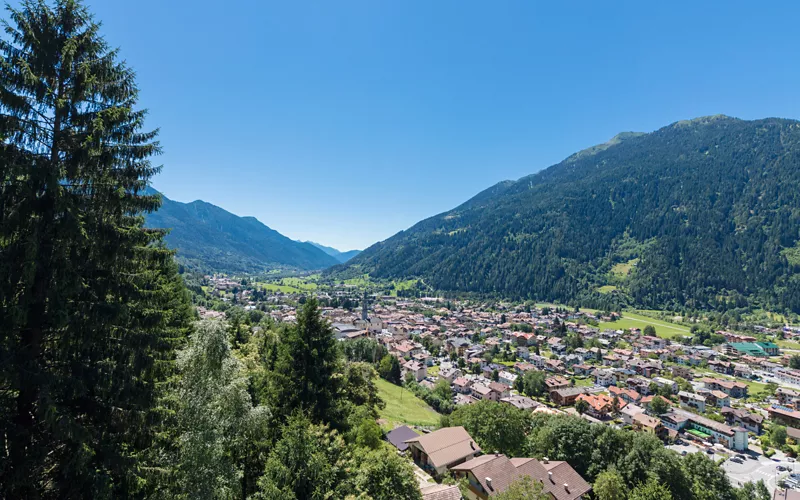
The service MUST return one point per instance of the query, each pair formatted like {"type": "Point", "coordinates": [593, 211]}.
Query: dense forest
{"type": "Point", "coordinates": [701, 214]}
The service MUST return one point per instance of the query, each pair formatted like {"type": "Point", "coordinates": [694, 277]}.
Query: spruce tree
{"type": "Point", "coordinates": [92, 305]}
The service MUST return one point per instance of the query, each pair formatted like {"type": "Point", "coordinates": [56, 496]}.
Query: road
{"type": "Point", "coordinates": [754, 470]}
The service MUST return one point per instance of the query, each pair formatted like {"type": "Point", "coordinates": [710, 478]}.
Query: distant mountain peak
{"type": "Point", "coordinates": [341, 256]}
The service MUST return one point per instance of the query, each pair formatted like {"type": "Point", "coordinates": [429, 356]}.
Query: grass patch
{"type": "Point", "coordinates": [403, 407]}
{"type": "Point", "coordinates": [583, 381]}
{"type": "Point", "coordinates": [788, 344]}
{"type": "Point", "coordinates": [606, 289]}
{"type": "Point", "coordinates": [623, 269]}
{"type": "Point", "coordinates": [433, 371]}
{"type": "Point", "coordinates": [633, 320]}
{"type": "Point", "coordinates": [361, 281]}
{"type": "Point", "coordinates": [402, 285]}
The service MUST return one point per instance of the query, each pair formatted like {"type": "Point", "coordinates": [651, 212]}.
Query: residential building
{"type": "Point", "coordinates": [784, 414]}
{"type": "Point", "coordinates": [734, 438]}
{"type": "Point", "coordinates": [629, 412]}
{"type": "Point", "coordinates": [646, 423]}
{"type": "Point", "coordinates": [521, 402]}
{"type": "Point", "coordinates": [489, 475]}
{"type": "Point", "coordinates": [419, 370]}
{"type": "Point", "coordinates": [604, 378]}
{"type": "Point", "coordinates": [600, 405]}
{"type": "Point", "coordinates": [743, 418]}
{"type": "Point", "coordinates": [566, 396]}
{"type": "Point", "coordinates": [729, 387]}
{"type": "Point", "coordinates": [442, 449]}
{"type": "Point", "coordinates": [508, 378]}
{"type": "Point", "coordinates": [693, 401]}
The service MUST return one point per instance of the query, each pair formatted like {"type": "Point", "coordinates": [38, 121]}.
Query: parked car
{"type": "Point", "coordinates": [790, 459]}
{"type": "Point", "coordinates": [781, 468]}
{"type": "Point", "coordinates": [737, 460]}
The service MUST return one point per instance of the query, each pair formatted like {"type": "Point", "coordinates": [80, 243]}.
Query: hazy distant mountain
{"type": "Point", "coordinates": [701, 214]}
{"type": "Point", "coordinates": [336, 254]}
{"type": "Point", "coordinates": [211, 238]}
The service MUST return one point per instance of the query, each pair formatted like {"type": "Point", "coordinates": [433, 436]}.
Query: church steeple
{"type": "Point", "coordinates": [365, 307]}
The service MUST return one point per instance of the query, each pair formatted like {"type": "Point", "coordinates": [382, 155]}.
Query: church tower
{"type": "Point", "coordinates": [365, 307]}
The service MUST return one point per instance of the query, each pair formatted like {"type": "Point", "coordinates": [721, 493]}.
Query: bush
{"type": "Point", "coordinates": [769, 452]}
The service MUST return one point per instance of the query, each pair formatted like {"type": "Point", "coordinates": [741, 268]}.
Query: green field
{"type": "Point", "coordinates": [361, 281]}
{"type": "Point", "coordinates": [403, 407]}
{"type": "Point", "coordinates": [402, 285]}
{"type": "Point", "coordinates": [289, 285]}
{"type": "Point", "coordinates": [583, 381]}
{"type": "Point", "coordinates": [633, 320]}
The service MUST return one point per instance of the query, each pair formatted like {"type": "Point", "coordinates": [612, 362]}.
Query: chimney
{"type": "Point", "coordinates": [545, 460]}
{"type": "Point", "coordinates": [566, 487]}
{"type": "Point", "coordinates": [550, 475]}
{"type": "Point", "coordinates": [489, 482]}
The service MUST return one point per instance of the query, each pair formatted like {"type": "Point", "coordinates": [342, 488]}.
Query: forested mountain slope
{"type": "Point", "coordinates": [700, 214]}
{"type": "Point", "coordinates": [213, 239]}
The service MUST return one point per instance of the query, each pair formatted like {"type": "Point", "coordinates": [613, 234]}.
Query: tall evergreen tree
{"type": "Point", "coordinates": [305, 370]}
{"type": "Point", "coordinates": [91, 303]}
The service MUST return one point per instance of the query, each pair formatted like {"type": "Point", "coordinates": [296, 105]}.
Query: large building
{"type": "Point", "coordinates": [756, 349]}
{"type": "Point", "coordinates": [734, 438]}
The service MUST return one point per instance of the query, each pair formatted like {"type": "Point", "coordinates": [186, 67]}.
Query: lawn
{"type": "Point", "coordinates": [633, 320]}
{"type": "Point", "coordinates": [583, 381]}
{"type": "Point", "coordinates": [402, 285]}
{"type": "Point", "coordinates": [433, 371]}
{"type": "Point", "coordinates": [788, 344]}
{"type": "Point", "coordinates": [403, 407]}
{"type": "Point", "coordinates": [301, 283]}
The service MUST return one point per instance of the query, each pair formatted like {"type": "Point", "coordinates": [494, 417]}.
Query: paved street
{"type": "Point", "coordinates": [754, 470]}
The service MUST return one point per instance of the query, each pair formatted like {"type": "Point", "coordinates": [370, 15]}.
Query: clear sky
{"type": "Point", "coordinates": [344, 121]}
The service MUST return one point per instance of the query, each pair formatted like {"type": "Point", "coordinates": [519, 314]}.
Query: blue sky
{"type": "Point", "coordinates": [346, 121]}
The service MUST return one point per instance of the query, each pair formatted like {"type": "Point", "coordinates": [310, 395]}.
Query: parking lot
{"type": "Point", "coordinates": [758, 469]}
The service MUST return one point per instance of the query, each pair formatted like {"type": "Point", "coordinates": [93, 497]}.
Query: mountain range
{"type": "Point", "coordinates": [336, 254]}
{"type": "Point", "coordinates": [209, 238]}
{"type": "Point", "coordinates": [700, 214]}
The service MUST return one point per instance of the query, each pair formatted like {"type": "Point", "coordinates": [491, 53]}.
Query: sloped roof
{"type": "Point", "coordinates": [446, 445]}
{"type": "Point", "coordinates": [502, 471]}
{"type": "Point", "coordinates": [399, 436]}
{"type": "Point", "coordinates": [441, 492]}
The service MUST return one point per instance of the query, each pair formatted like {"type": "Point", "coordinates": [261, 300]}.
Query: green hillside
{"type": "Point", "coordinates": [212, 239]}
{"type": "Point", "coordinates": [701, 214]}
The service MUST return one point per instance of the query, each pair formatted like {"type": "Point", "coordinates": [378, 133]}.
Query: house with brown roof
{"type": "Point", "coordinates": [729, 387]}
{"type": "Point", "coordinates": [489, 475]}
{"type": "Point", "coordinates": [645, 423]}
{"type": "Point", "coordinates": [556, 382]}
{"type": "Point", "coordinates": [743, 418]}
{"type": "Point", "coordinates": [600, 405]}
{"type": "Point", "coordinates": [567, 395]}
{"type": "Point", "coordinates": [626, 395]}
{"type": "Point", "coordinates": [442, 449]}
